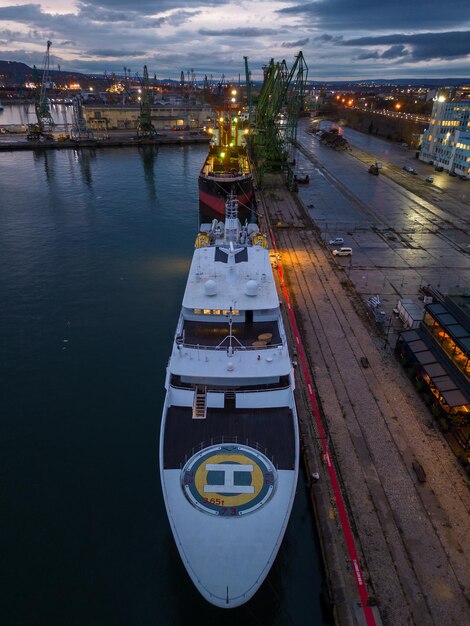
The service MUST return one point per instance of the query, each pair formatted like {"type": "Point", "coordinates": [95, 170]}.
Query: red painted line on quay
{"type": "Point", "coordinates": [348, 536]}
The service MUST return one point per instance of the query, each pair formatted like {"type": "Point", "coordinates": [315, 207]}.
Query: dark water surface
{"type": "Point", "coordinates": [94, 252]}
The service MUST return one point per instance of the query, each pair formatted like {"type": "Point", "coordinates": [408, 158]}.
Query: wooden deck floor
{"type": "Point", "coordinates": [272, 429]}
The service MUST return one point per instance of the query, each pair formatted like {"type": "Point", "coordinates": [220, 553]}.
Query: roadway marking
{"type": "Point", "coordinates": [341, 508]}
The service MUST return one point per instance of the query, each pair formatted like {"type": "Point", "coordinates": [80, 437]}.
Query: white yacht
{"type": "Point", "coordinates": [229, 444]}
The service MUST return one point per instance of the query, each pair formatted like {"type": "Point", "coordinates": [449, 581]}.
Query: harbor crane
{"type": "Point", "coordinates": [79, 129]}
{"type": "Point", "coordinates": [249, 93]}
{"type": "Point", "coordinates": [279, 104]}
{"type": "Point", "coordinates": [45, 124]}
{"type": "Point", "coordinates": [145, 128]}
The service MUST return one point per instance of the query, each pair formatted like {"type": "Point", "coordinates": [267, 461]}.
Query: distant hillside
{"type": "Point", "coordinates": [417, 82]}
{"type": "Point", "coordinates": [15, 72]}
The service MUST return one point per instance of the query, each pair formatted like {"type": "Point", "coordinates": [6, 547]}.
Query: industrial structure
{"type": "Point", "coordinates": [437, 355]}
{"type": "Point", "coordinates": [277, 109]}
{"type": "Point", "coordinates": [44, 124]}
{"type": "Point", "coordinates": [146, 128]}
{"type": "Point", "coordinates": [79, 129]}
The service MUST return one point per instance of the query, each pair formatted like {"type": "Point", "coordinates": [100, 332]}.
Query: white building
{"type": "Point", "coordinates": [446, 142]}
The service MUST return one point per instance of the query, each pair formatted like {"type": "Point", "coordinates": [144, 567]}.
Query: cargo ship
{"type": "Point", "coordinates": [227, 167]}
{"type": "Point", "coordinates": [229, 442]}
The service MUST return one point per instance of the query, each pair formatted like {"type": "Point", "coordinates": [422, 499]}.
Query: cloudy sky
{"type": "Point", "coordinates": [340, 39]}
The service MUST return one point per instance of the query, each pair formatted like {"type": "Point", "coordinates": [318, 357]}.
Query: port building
{"type": "Point", "coordinates": [165, 116]}
{"type": "Point", "coordinates": [437, 358]}
{"type": "Point", "coordinates": [446, 143]}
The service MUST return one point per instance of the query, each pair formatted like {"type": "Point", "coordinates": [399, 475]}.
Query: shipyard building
{"type": "Point", "coordinates": [436, 355]}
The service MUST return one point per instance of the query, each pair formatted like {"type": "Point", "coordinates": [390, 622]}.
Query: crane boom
{"type": "Point", "coordinates": [44, 122]}
{"type": "Point", "coordinates": [277, 110]}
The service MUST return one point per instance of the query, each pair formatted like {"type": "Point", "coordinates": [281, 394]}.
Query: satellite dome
{"type": "Point", "coordinates": [251, 288]}
{"type": "Point", "coordinates": [210, 288]}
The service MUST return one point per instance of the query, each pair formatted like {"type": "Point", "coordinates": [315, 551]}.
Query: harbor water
{"type": "Point", "coordinates": [94, 253]}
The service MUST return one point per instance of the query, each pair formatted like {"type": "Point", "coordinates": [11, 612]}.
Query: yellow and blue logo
{"type": "Point", "coordinates": [228, 480]}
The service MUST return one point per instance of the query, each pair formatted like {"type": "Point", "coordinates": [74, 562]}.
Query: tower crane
{"type": "Point", "coordinates": [146, 128]}
{"type": "Point", "coordinates": [45, 123]}
{"type": "Point", "coordinates": [279, 103]}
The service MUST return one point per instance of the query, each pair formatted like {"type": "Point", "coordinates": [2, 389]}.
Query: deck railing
{"type": "Point", "coordinates": [225, 439]}
{"type": "Point", "coordinates": [235, 348]}
{"type": "Point", "coordinates": [263, 389]}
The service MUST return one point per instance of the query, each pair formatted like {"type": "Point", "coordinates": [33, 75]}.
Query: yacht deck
{"type": "Point", "coordinates": [270, 430]}
{"type": "Point", "coordinates": [211, 335]}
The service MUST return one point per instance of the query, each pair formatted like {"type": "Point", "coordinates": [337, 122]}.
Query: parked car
{"type": "Point", "coordinates": [439, 168]}
{"type": "Point", "coordinates": [451, 173]}
{"type": "Point", "coordinates": [337, 241]}
{"type": "Point", "coordinates": [409, 169]}
{"type": "Point", "coordinates": [429, 179]}
{"type": "Point", "coordinates": [343, 252]}
{"type": "Point", "coordinates": [463, 177]}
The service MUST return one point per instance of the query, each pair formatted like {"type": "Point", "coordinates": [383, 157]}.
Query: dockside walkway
{"type": "Point", "coordinates": [411, 538]}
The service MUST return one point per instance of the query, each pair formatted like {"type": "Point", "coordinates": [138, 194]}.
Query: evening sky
{"type": "Point", "coordinates": [340, 39]}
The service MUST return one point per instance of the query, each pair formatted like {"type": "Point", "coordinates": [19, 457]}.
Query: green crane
{"type": "Point", "coordinates": [249, 93]}
{"type": "Point", "coordinates": [146, 128]}
{"type": "Point", "coordinates": [279, 104]}
{"type": "Point", "coordinates": [44, 123]}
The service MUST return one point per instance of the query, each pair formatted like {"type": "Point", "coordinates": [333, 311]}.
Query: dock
{"type": "Point", "coordinates": [411, 538]}
{"type": "Point", "coordinates": [116, 139]}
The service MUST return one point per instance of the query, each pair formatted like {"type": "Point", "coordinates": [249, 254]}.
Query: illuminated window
{"type": "Point", "coordinates": [197, 311]}
{"type": "Point", "coordinates": [216, 312]}
{"type": "Point", "coordinates": [207, 311]}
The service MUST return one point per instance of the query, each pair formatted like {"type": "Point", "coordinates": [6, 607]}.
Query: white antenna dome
{"type": "Point", "coordinates": [210, 287]}
{"type": "Point", "coordinates": [251, 288]}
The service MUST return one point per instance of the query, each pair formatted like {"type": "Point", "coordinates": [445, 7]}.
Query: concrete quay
{"type": "Point", "coordinates": [412, 538]}
{"type": "Point", "coordinates": [116, 139]}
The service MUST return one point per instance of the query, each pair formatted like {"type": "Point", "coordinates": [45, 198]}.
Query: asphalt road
{"type": "Point", "coordinates": [399, 156]}
{"type": "Point", "coordinates": [400, 240]}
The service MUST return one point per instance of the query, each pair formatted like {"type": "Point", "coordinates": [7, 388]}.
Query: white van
{"type": "Point", "coordinates": [343, 252]}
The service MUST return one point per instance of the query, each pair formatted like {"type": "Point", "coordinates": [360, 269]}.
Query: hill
{"type": "Point", "coordinates": [13, 72]}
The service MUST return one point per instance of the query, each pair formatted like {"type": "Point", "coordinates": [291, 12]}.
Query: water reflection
{"type": "Point", "coordinates": [148, 155]}
{"type": "Point", "coordinates": [85, 159]}
{"type": "Point", "coordinates": [47, 157]}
